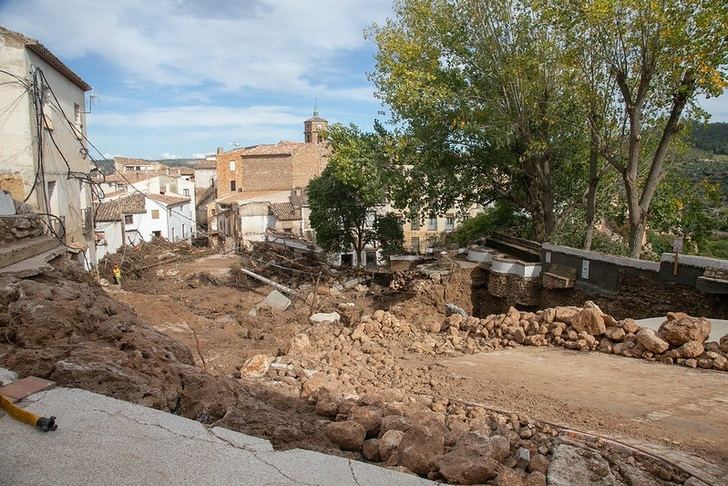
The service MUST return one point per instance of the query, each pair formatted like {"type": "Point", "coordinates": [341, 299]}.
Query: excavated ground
{"type": "Point", "coordinates": [65, 327]}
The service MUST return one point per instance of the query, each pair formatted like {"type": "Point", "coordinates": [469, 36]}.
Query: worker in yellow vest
{"type": "Point", "coordinates": [117, 275]}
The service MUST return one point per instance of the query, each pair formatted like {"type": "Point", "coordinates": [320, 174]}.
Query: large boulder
{"type": "Point", "coordinates": [348, 435]}
{"type": "Point", "coordinates": [572, 465]}
{"type": "Point", "coordinates": [395, 422]}
{"type": "Point", "coordinates": [566, 314]}
{"type": "Point", "coordinates": [724, 343]}
{"type": "Point", "coordinates": [680, 328]}
{"type": "Point", "coordinates": [589, 320]}
{"type": "Point", "coordinates": [496, 447]}
{"type": "Point", "coordinates": [651, 341]}
{"type": "Point", "coordinates": [420, 448]}
{"type": "Point", "coordinates": [691, 349]}
{"type": "Point", "coordinates": [465, 465]}
{"type": "Point", "coordinates": [369, 417]}
{"type": "Point", "coordinates": [389, 443]}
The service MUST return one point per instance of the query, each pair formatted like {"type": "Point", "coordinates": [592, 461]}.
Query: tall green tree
{"type": "Point", "coordinates": [389, 234]}
{"type": "Point", "coordinates": [344, 199]}
{"type": "Point", "coordinates": [484, 107]}
{"type": "Point", "coordinates": [662, 55]}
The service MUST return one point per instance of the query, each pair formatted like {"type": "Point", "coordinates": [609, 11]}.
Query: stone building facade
{"type": "Point", "coordinates": [43, 140]}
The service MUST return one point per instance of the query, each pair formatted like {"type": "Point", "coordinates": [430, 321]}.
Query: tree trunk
{"type": "Point", "coordinates": [636, 233]}
{"type": "Point", "coordinates": [591, 196]}
{"type": "Point", "coordinates": [635, 216]}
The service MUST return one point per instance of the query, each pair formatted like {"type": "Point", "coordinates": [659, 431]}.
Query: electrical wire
{"type": "Point", "coordinates": [121, 174]}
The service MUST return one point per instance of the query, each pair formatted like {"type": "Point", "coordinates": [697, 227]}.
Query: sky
{"type": "Point", "coordinates": [179, 78]}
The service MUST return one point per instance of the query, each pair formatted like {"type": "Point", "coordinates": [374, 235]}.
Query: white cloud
{"type": "Point", "coordinates": [167, 156]}
{"type": "Point", "coordinates": [272, 45]}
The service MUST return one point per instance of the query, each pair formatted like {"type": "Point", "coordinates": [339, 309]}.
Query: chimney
{"type": "Point", "coordinates": [220, 150]}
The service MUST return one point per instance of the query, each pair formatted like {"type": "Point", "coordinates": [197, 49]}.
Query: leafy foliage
{"type": "Point", "coordinates": [338, 213]}
{"type": "Point", "coordinates": [482, 107]}
{"type": "Point", "coordinates": [389, 234]}
{"type": "Point", "coordinates": [712, 137]}
{"type": "Point", "coordinates": [502, 216]}
{"type": "Point", "coordinates": [345, 196]}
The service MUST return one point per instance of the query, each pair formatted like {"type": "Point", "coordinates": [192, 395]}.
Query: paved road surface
{"type": "Point", "coordinates": [102, 440]}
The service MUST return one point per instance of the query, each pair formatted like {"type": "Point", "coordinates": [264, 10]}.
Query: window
{"type": "Point", "coordinates": [128, 219]}
{"type": "Point", "coordinates": [173, 235]}
{"type": "Point", "coordinates": [432, 224]}
{"type": "Point", "coordinates": [415, 245]}
{"type": "Point", "coordinates": [77, 120]}
{"type": "Point", "coordinates": [186, 192]}
{"type": "Point", "coordinates": [184, 234]}
{"type": "Point", "coordinates": [232, 186]}
{"type": "Point", "coordinates": [155, 213]}
{"type": "Point", "coordinates": [232, 166]}
{"type": "Point", "coordinates": [371, 218]}
{"type": "Point", "coordinates": [449, 222]}
{"type": "Point", "coordinates": [415, 225]}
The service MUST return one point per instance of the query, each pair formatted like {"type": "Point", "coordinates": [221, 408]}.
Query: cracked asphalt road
{"type": "Point", "coordinates": [101, 440]}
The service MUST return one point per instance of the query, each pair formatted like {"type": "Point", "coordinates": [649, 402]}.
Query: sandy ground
{"type": "Point", "coordinates": [609, 395]}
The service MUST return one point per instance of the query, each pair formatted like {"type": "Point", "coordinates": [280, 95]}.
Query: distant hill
{"type": "Point", "coordinates": [711, 137]}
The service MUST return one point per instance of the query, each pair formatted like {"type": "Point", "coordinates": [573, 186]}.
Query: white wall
{"type": "Point", "coordinates": [112, 237]}
{"type": "Point", "coordinates": [256, 225]}
{"type": "Point", "coordinates": [205, 178]}
{"type": "Point", "coordinates": [18, 152]}
{"type": "Point", "coordinates": [180, 226]}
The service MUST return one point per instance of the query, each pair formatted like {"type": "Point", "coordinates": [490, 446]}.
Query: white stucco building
{"type": "Point", "coordinates": [43, 129]}
{"type": "Point", "coordinates": [138, 217]}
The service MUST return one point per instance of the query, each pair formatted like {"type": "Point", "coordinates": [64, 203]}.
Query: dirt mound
{"type": "Point", "coordinates": [139, 261]}
{"type": "Point", "coordinates": [64, 327]}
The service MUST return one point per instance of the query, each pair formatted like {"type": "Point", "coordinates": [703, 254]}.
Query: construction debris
{"type": "Point", "coordinates": [351, 369]}
{"type": "Point", "coordinates": [275, 302]}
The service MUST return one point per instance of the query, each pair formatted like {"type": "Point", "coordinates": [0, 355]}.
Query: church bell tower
{"type": "Point", "coordinates": [314, 128]}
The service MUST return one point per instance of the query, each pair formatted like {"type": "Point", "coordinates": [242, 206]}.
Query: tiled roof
{"type": "Point", "coordinates": [48, 57]}
{"type": "Point", "coordinates": [285, 212]}
{"type": "Point", "coordinates": [167, 199]}
{"type": "Point", "coordinates": [113, 210]}
{"type": "Point", "coordinates": [132, 161]}
{"type": "Point", "coordinates": [206, 164]}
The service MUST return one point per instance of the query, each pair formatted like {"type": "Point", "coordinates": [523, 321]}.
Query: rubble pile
{"type": "Point", "coordinates": [64, 327]}
{"type": "Point", "coordinates": [362, 390]}
{"type": "Point", "coordinates": [141, 260]}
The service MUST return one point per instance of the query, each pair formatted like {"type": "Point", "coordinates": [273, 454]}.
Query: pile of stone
{"type": "Point", "coordinates": [458, 443]}
{"type": "Point", "coordinates": [680, 339]}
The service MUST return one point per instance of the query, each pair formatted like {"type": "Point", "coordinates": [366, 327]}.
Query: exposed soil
{"type": "Point", "coordinates": [193, 359]}
{"type": "Point", "coordinates": [605, 394]}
